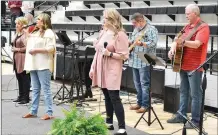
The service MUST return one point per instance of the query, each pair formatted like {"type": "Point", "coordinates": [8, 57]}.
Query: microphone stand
{"type": "Point", "coordinates": [39, 5]}
{"type": "Point", "coordinates": [204, 86]}
{"type": "Point", "coordinates": [47, 8]}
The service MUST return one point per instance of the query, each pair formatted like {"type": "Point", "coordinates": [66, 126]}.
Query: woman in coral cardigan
{"type": "Point", "coordinates": [106, 69]}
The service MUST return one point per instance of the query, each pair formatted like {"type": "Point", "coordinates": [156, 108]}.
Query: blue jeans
{"type": "Point", "coordinates": [141, 78]}
{"type": "Point", "coordinates": [192, 83]}
{"type": "Point", "coordinates": [40, 79]}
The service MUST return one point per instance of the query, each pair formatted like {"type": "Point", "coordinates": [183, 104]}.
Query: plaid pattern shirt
{"type": "Point", "coordinates": [150, 38]}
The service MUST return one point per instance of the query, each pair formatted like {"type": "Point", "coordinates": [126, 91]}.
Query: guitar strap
{"type": "Point", "coordinates": [143, 33]}
{"type": "Point", "coordinates": [139, 32]}
{"type": "Point", "coordinates": [193, 31]}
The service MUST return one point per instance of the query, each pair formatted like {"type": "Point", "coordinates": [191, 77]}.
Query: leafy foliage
{"type": "Point", "coordinates": [76, 123]}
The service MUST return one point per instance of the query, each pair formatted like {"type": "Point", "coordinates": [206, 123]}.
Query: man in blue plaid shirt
{"type": "Point", "coordinates": [144, 37]}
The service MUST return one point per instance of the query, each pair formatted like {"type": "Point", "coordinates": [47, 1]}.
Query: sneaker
{"type": "Point", "coordinates": [189, 125]}
{"type": "Point", "coordinates": [17, 100]}
{"type": "Point", "coordinates": [119, 132]}
{"type": "Point", "coordinates": [136, 107]}
{"type": "Point", "coordinates": [110, 127]}
{"type": "Point", "coordinates": [176, 119]}
{"type": "Point", "coordinates": [23, 102]}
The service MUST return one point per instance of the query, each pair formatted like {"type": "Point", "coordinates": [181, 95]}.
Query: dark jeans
{"type": "Point", "coordinates": [13, 18]}
{"type": "Point", "coordinates": [113, 103]}
{"type": "Point", "coordinates": [23, 84]}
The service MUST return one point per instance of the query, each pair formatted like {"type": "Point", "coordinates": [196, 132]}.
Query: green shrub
{"type": "Point", "coordinates": [76, 123]}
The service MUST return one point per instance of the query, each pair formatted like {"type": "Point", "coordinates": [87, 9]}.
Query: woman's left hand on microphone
{"type": "Point", "coordinates": [106, 52]}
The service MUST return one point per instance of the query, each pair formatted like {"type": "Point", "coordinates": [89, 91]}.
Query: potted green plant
{"type": "Point", "coordinates": [77, 123]}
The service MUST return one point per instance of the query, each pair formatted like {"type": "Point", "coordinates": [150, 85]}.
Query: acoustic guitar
{"type": "Point", "coordinates": [177, 58]}
{"type": "Point", "coordinates": [132, 46]}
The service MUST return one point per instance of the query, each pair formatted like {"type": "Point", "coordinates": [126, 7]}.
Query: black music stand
{"type": "Point", "coordinates": [76, 80]}
{"type": "Point", "coordinates": [65, 41]}
{"type": "Point", "coordinates": [151, 60]}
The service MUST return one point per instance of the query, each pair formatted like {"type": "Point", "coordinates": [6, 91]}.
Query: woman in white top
{"type": "Point", "coordinates": [40, 61]}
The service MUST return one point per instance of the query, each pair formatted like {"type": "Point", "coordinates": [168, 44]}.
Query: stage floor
{"type": "Point", "coordinates": [12, 123]}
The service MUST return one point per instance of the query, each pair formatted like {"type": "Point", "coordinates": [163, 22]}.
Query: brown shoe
{"type": "Point", "coordinates": [46, 117]}
{"type": "Point", "coordinates": [136, 107]}
{"type": "Point", "coordinates": [142, 110]}
{"type": "Point", "coordinates": [29, 116]}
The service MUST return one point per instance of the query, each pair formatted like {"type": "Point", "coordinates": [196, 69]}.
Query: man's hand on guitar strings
{"type": "Point", "coordinates": [130, 43]}
{"type": "Point", "coordinates": [179, 41]}
{"type": "Point", "coordinates": [138, 43]}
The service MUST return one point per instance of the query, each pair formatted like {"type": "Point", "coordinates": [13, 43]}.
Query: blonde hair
{"type": "Point", "coordinates": [114, 19]}
{"type": "Point", "coordinates": [194, 8]}
{"type": "Point", "coordinates": [22, 20]}
{"type": "Point", "coordinates": [46, 23]}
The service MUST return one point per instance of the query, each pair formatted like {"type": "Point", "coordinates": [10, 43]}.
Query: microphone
{"type": "Point", "coordinates": [105, 44]}
{"type": "Point", "coordinates": [24, 27]}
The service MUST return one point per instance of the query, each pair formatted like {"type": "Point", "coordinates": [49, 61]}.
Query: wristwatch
{"type": "Point", "coordinates": [111, 54]}
{"type": "Point", "coordinates": [141, 44]}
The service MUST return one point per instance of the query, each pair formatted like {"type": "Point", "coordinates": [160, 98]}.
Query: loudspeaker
{"type": "Point", "coordinates": [157, 82]}
{"type": "Point", "coordinates": [172, 98]}
{"type": "Point", "coordinates": [3, 41]}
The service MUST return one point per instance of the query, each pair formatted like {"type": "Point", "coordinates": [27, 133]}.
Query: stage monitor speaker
{"type": "Point", "coordinates": [3, 41]}
{"type": "Point", "coordinates": [172, 98]}
{"type": "Point", "coordinates": [157, 82]}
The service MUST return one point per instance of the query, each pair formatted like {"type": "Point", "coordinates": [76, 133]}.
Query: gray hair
{"type": "Point", "coordinates": [194, 8]}
{"type": "Point", "coordinates": [137, 17]}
